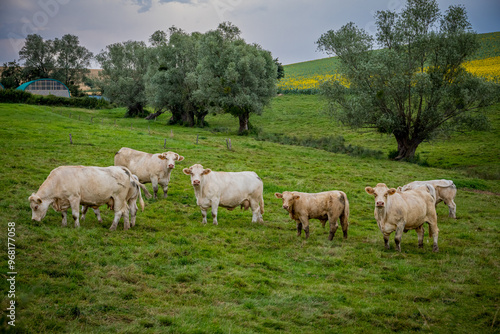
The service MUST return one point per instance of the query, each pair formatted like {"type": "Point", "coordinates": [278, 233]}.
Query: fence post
{"type": "Point", "coordinates": [165, 144]}
{"type": "Point", "coordinates": [228, 144]}
{"type": "Point", "coordinates": [70, 139]}
{"type": "Point", "coordinates": [196, 139]}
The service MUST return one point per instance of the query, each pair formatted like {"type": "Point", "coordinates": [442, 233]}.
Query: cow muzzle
{"type": "Point", "coordinates": [196, 182]}
{"type": "Point", "coordinates": [285, 206]}
{"type": "Point", "coordinates": [171, 166]}
{"type": "Point", "coordinates": [380, 204]}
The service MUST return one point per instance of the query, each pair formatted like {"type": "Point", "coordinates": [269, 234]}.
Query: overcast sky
{"type": "Point", "coordinates": [287, 28]}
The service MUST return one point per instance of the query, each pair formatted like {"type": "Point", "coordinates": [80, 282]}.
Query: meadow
{"type": "Point", "coordinates": [171, 274]}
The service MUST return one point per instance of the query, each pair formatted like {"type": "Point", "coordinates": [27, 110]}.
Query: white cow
{"type": "Point", "coordinates": [227, 190]}
{"type": "Point", "coordinates": [149, 168]}
{"type": "Point", "coordinates": [71, 186]}
{"type": "Point", "coordinates": [445, 192]}
{"type": "Point", "coordinates": [403, 211]}
{"type": "Point", "coordinates": [134, 194]}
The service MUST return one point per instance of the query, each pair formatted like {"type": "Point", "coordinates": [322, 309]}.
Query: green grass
{"type": "Point", "coordinates": [170, 274]}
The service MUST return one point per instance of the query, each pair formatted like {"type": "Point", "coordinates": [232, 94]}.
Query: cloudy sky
{"type": "Point", "coordinates": [287, 28]}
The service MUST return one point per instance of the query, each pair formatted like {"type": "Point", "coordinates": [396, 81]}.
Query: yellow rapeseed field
{"type": "Point", "coordinates": [489, 68]}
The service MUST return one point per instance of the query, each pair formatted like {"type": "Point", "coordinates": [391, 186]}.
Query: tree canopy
{"type": "Point", "coordinates": [415, 85]}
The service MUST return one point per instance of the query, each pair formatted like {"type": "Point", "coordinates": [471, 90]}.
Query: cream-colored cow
{"type": "Point", "coordinates": [403, 211]}
{"type": "Point", "coordinates": [445, 192]}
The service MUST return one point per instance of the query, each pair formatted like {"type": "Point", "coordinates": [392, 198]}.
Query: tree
{"type": "Point", "coordinates": [280, 69]}
{"type": "Point", "coordinates": [416, 86]}
{"type": "Point", "coordinates": [233, 76]}
{"type": "Point", "coordinates": [171, 80]}
{"type": "Point", "coordinates": [38, 56]}
{"type": "Point", "coordinates": [11, 75]}
{"type": "Point", "coordinates": [72, 61]}
{"type": "Point", "coordinates": [121, 79]}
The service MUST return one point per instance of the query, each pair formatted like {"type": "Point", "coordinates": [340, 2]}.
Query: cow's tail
{"type": "Point", "coordinates": [146, 192]}
{"type": "Point", "coordinates": [141, 201]}
{"type": "Point", "coordinates": [261, 203]}
{"type": "Point", "coordinates": [344, 216]}
{"type": "Point", "coordinates": [432, 191]}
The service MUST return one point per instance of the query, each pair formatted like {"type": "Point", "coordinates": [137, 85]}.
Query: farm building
{"type": "Point", "coordinates": [45, 87]}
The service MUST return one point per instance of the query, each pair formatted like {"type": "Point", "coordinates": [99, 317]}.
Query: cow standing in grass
{"type": "Point", "coordinates": [71, 186]}
{"type": "Point", "coordinates": [403, 211]}
{"type": "Point", "coordinates": [227, 190]}
{"type": "Point", "coordinates": [149, 168]}
{"type": "Point", "coordinates": [328, 205]}
{"type": "Point", "coordinates": [445, 192]}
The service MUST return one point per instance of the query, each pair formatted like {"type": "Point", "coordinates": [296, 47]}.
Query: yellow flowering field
{"type": "Point", "coordinates": [489, 67]}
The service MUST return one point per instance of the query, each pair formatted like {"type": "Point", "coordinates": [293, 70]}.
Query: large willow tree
{"type": "Point", "coordinates": [414, 86]}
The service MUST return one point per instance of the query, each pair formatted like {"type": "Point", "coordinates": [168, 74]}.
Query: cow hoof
{"type": "Point", "coordinates": [435, 248]}
{"type": "Point", "coordinates": [330, 236]}
{"type": "Point", "coordinates": [112, 228]}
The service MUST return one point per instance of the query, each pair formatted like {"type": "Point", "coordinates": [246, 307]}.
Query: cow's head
{"type": "Point", "coordinates": [170, 158]}
{"type": "Point", "coordinates": [381, 191]}
{"type": "Point", "coordinates": [288, 199]}
{"type": "Point", "coordinates": [38, 207]}
{"type": "Point", "coordinates": [196, 172]}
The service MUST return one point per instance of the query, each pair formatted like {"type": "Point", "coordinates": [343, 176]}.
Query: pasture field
{"type": "Point", "coordinates": [170, 274]}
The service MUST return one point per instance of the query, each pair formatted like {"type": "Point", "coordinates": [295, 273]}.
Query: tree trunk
{"type": "Point", "coordinates": [156, 114]}
{"type": "Point", "coordinates": [406, 147]}
{"type": "Point", "coordinates": [243, 122]}
{"type": "Point", "coordinates": [200, 119]}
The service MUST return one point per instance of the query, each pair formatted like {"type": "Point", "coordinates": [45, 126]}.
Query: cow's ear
{"type": "Point", "coordinates": [206, 171]}
{"type": "Point", "coordinates": [162, 157]}
{"type": "Point", "coordinates": [296, 197]}
{"type": "Point", "coordinates": [391, 191]}
{"type": "Point", "coordinates": [179, 157]}
{"type": "Point", "coordinates": [187, 171]}
{"type": "Point", "coordinates": [369, 190]}
{"type": "Point", "coordinates": [278, 195]}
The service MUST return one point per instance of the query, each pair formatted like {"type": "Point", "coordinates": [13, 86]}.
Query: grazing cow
{"type": "Point", "coordinates": [403, 211]}
{"type": "Point", "coordinates": [445, 192]}
{"type": "Point", "coordinates": [134, 193]}
{"type": "Point", "coordinates": [328, 205]}
{"type": "Point", "coordinates": [149, 168]}
{"type": "Point", "coordinates": [227, 190]}
{"type": "Point", "coordinates": [71, 186]}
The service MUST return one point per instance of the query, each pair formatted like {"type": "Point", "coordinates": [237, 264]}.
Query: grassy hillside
{"type": "Point", "coordinates": [170, 274]}
{"type": "Point", "coordinates": [306, 76]}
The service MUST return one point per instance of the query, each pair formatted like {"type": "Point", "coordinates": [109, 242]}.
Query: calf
{"type": "Point", "coordinates": [328, 205]}
{"type": "Point", "coordinates": [71, 186]}
{"type": "Point", "coordinates": [403, 211]}
{"type": "Point", "coordinates": [445, 192]}
{"type": "Point", "coordinates": [227, 190]}
{"type": "Point", "coordinates": [149, 168]}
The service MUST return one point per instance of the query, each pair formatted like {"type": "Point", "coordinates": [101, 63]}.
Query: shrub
{"type": "Point", "coordinates": [19, 96]}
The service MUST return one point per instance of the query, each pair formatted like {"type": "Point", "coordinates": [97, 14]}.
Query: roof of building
{"type": "Point", "coordinates": [26, 84]}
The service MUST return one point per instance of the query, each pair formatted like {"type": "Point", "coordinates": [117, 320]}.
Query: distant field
{"type": "Point", "coordinates": [306, 76]}
{"type": "Point", "coordinates": [170, 274]}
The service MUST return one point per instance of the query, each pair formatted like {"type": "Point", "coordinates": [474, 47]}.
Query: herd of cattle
{"type": "Point", "coordinates": [119, 187]}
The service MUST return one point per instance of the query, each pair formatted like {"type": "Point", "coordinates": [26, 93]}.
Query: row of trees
{"type": "Point", "coordinates": [63, 59]}
{"type": "Point", "coordinates": [191, 75]}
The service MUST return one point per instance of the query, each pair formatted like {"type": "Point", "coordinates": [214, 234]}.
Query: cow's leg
{"type": "Point", "coordinates": [299, 228]}
{"type": "Point", "coordinates": [84, 212]}
{"type": "Point", "coordinates": [256, 215]}
{"type": "Point", "coordinates": [203, 215]}
{"type": "Point", "coordinates": [452, 207]}
{"type": "Point", "coordinates": [386, 241]}
{"type": "Point", "coordinates": [305, 225]}
{"type": "Point", "coordinates": [154, 183]}
{"type": "Point", "coordinates": [98, 214]}
{"type": "Point", "coordinates": [399, 234]}
{"type": "Point", "coordinates": [165, 190]}
{"type": "Point", "coordinates": [323, 222]}
{"type": "Point", "coordinates": [64, 218]}
{"type": "Point", "coordinates": [75, 209]}
{"type": "Point", "coordinates": [133, 211]}
{"type": "Point", "coordinates": [420, 232]}
{"type": "Point", "coordinates": [334, 225]}
{"type": "Point", "coordinates": [433, 232]}
{"type": "Point", "coordinates": [120, 209]}
{"type": "Point", "coordinates": [215, 206]}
